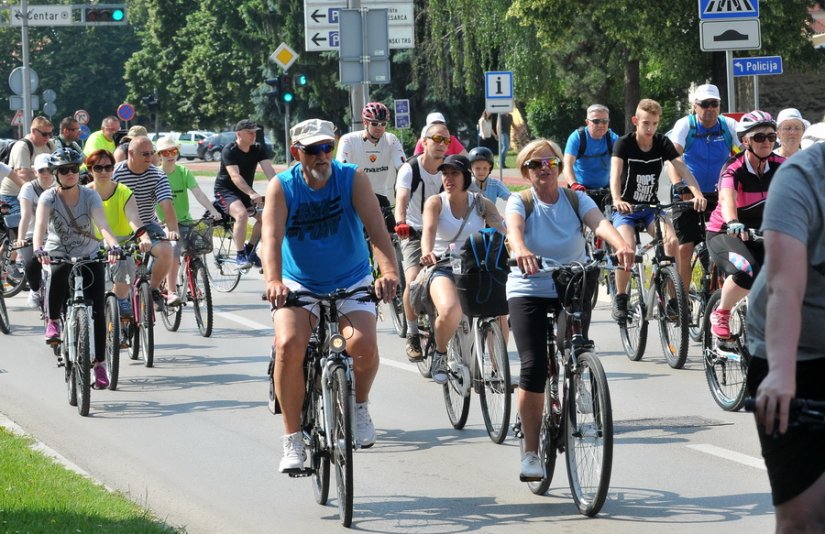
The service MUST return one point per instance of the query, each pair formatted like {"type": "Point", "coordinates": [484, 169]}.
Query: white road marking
{"type": "Point", "coordinates": [727, 454]}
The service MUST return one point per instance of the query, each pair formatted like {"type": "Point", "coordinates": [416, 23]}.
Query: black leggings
{"type": "Point", "coordinates": [739, 259]}
{"type": "Point", "coordinates": [94, 282]}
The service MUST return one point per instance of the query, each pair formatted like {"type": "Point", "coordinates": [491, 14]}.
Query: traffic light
{"type": "Point", "coordinates": [105, 14]}
{"type": "Point", "coordinates": [275, 84]}
{"type": "Point", "coordinates": [301, 80]}
{"type": "Point", "coordinates": [151, 103]}
{"type": "Point", "coordinates": [287, 94]}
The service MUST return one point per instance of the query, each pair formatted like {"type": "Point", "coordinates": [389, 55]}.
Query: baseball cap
{"type": "Point", "coordinates": [456, 161]}
{"type": "Point", "coordinates": [705, 92]}
{"type": "Point", "coordinates": [42, 161]}
{"type": "Point", "coordinates": [134, 131]}
{"type": "Point", "coordinates": [312, 131]}
{"type": "Point", "coordinates": [246, 124]}
{"type": "Point", "coordinates": [434, 117]}
{"type": "Point", "coordinates": [791, 113]}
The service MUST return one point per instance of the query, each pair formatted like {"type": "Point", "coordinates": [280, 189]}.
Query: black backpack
{"type": "Point", "coordinates": [583, 144]}
{"type": "Point", "coordinates": [482, 282]}
{"type": "Point", "coordinates": [416, 180]}
{"type": "Point", "coordinates": [5, 150]}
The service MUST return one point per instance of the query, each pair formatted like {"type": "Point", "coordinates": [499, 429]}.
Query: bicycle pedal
{"type": "Point", "coordinates": [299, 473]}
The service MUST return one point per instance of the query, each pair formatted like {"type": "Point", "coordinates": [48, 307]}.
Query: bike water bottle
{"type": "Point", "coordinates": [455, 259]}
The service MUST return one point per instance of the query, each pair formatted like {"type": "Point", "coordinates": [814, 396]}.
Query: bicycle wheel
{"type": "Point", "coordinates": [634, 329]}
{"type": "Point", "coordinates": [457, 388]}
{"type": "Point", "coordinates": [673, 316]}
{"type": "Point", "coordinates": [112, 318]}
{"type": "Point", "coordinates": [399, 320]}
{"type": "Point", "coordinates": [82, 365]}
{"type": "Point", "coordinates": [427, 348]}
{"type": "Point", "coordinates": [696, 308]}
{"type": "Point", "coordinates": [5, 325]}
{"type": "Point", "coordinates": [319, 457]}
{"type": "Point", "coordinates": [15, 276]}
{"type": "Point", "coordinates": [146, 325]}
{"type": "Point", "coordinates": [220, 263]}
{"type": "Point", "coordinates": [201, 298]}
{"type": "Point", "coordinates": [726, 362]}
{"type": "Point", "coordinates": [342, 443]}
{"type": "Point", "coordinates": [589, 434]}
{"type": "Point", "coordinates": [494, 390]}
{"type": "Point", "coordinates": [548, 436]}
{"type": "Point", "coordinates": [170, 315]}
{"type": "Point", "coordinates": [69, 374]}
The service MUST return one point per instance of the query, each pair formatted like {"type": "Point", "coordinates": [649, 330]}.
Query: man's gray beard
{"type": "Point", "coordinates": [319, 176]}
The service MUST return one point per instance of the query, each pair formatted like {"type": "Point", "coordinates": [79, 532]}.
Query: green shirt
{"type": "Point", "coordinates": [96, 141]}
{"type": "Point", "coordinates": [115, 209]}
{"type": "Point", "coordinates": [181, 180]}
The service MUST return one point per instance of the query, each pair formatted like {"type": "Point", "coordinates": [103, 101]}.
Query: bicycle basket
{"type": "Point", "coordinates": [198, 238]}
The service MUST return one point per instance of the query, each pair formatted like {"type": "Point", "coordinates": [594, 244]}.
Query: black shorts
{"type": "Point", "coordinates": [686, 221]}
{"type": "Point", "coordinates": [228, 196]}
{"type": "Point", "coordinates": [796, 459]}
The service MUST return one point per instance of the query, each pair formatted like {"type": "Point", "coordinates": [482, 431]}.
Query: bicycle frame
{"type": "Point", "coordinates": [75, 305]}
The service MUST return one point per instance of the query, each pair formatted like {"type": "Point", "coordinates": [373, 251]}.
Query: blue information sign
{"type": "Point", "coordinates": [728, 9]}
{"type": "Point", "coordinates": [757, 66]}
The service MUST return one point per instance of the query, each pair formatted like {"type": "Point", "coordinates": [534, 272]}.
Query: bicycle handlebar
{"type": "Point", "coordinates": [293, 298]}
{"type": "Point", "coordinates": [802, 411]}
{"type": "Point", "coordinates": [601, 260]}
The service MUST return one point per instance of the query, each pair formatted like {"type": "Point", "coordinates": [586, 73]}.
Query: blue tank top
{"type": "Point", "coordinates": [324, 247]}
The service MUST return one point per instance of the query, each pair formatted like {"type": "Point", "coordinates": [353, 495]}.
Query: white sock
{"type": "Point", "coordinates": [412, 327]}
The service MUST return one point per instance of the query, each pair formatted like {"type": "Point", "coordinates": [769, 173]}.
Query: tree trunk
{"type": "Point", "coordinates": [632, 91]}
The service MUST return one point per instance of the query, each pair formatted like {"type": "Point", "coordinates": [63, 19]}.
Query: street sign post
{"type": "Point", "coordinates": [402, 113]}
{"type": "Point", "coordinates": [498, 91]}
{"type": "Point", "coordinates": [728, 9]}
{"type": "Point", "coordinates": [757, 66]}
{"type": "Point", "coordinates": [82, 116]}
{"type": "Point", "coordinates": [322, 29]}
{"type": "Point", "coordinates": [284, 56]}
{"type": "Point", "coordinates": [364, 48]}
{"type": "Point", "coordinates": [125, 112]}
{"type": "Point", "coordinates": [739, 34]}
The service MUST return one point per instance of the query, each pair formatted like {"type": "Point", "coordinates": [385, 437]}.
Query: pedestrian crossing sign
{"type": "Point", "coordinates": [728, 9]}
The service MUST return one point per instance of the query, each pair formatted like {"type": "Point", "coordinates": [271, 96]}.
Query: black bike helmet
{"type": "Point", "coordinates": [481, 153]}
{"type": "Point", "coordinates": [62, 157]}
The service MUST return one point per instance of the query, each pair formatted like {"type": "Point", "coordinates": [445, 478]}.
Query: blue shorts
{"type": "Point", "coordinates": [630, 219]}
{"type": "Point", "coordinates": [12, 218]}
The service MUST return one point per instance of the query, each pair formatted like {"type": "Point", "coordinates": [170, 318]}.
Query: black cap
{"type": "Point", "coordinates": [246, 124]}
{"type": "Point", "coordinates": [456, 161]}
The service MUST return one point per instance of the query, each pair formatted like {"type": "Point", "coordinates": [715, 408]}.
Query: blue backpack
{"type": "Point", "coordinates": [725, 133]}
{"type": "Point", "coordinates": [482, 282]}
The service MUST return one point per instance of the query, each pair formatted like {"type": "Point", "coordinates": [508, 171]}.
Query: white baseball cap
{"type": "Point", "coordinates": [791, 113]}
{"type": "Point", "coordinates": [705, 92]}
{"type": "Point", "coordinates": [42, 161]}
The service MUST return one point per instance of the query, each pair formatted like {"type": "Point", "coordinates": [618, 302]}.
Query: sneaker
{"type": "Point", "coordinates": [101, 379]}
{"type": "Point", "coordinates": [620, 307]}
{"type": "Point", "coordinates": [672, 310]}
{"type": "Point", "coordinates": [35, 301]}
{"type": "Point", "coordinates": [157, 298]}
{"type": "Point", "coordinates": [531, 468]}
{"type": "Point", "coordinates": [251, 255]}
{"type": "Point", "coordinates": [172, 299]}
{"type": "Point", "coordinates": [243, 261]}
{"type": "Point", "coordinates": [414, 353]}
{"type": "Point", "coordinates": [52, 331]}
{"type": "Point", "coordinates": [125, 307]}
{"type": "Point", "coordinates": [439, 369]}
{"type": "Point", "coordinates": [364, 429]}
{"type": "Point", "coordinates": [294, 453]}
{"type": "Point", "coordinates": [720, 323]}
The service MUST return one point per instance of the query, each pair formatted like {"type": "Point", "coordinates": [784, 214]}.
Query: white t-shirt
{"type": "Point", "coordinates": [379, 161]}
{"type": "Point", "coordinates": [449, 224]}
{"type": "Point", "coordinates": [430, 185]}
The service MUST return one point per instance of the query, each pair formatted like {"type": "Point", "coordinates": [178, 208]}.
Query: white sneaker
{"type": "Point", "coordinates": [34, 301]}
{"type": "Point", "coordinates": [531, 468]}
{"type": "Point", "coordinates": [439, 368]}
{"type": "Point", "coordinates": [294, 453]}
{"type": "Point", "coordinates": [364, 429]}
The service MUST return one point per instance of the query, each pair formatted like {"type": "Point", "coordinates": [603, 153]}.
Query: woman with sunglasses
{"type": "Point", "coordinates": [123, 216]}
{"type": "Point", "coordinates": [743, 188]}
{"type": "Point", "coordinates": [65, 224]}
{"type": "Point", "coordinates": [551, 229]}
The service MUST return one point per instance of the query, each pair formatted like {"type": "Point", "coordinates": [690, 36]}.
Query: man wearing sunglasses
{"type": "Point", "coordinates": [69, 134]}
{"type": "Point", "coordinates": [314, 218]}
{"type": "Point", "coordinates": [705, 140]}
{"type": "Point", "coordinates": [376, 152]}
{"type": "Point", "coordinates": [21, 159]}
{"type": "Point", "coordinates": [233, 187]}
{"type": "Point", "coordinates": [587, 153]}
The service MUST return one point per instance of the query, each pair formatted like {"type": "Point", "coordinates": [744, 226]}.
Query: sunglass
{"type": "Point", "coordinates": [103, 168]}
{"type": "Point", "coordinates": [534, 164]}
{"type": "Point", "coordinates": [314, 150]}
{"type": "Point", "coordinates": [44, 134]}
{"type": "Point", "coordinates": [72, 129]}
{"type": "Point", "coordinates": [169, 152]}
{"type": "Point", "coordinates": [761, 137]}
{"type": "Point", "coordinates": [599, 121]}
{"type": "Point", "coordinates": [71, 169]}
{"type": "Point", "coordinates": [441, 139]}
{"type": "Point", "coordinates": [146, 154]}
{"type": "Point", "coordinates": [376, 124]}
{"type": "Point", "coordinates": [705, 104]}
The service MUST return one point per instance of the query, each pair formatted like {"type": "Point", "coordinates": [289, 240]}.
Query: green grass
{"type": "Point", "coordinates": [37, 495]}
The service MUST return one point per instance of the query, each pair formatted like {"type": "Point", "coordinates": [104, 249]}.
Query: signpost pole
{"type": "Point", "coordinates": [357, 90]}
{"type": "Point", "coordinates": [27, 84]}
{"type": "Point", "coordinates": [731, 83]}
{"type": "Point", "coordinates": [286, 133]}
{"type": "Point", "coordinates": [756, 92]}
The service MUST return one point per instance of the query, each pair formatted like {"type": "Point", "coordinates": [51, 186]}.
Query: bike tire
{"type": "Point", "coordinates": [494, 391]}
{"type": "Point", "coordinates": [696, 308]}
{"type": "Point", "coordinates": [12, 284]}
{"type": "Point", "coordinates": [5, 325]}
{"type": "Point", "coordinates": [588, 434]}
{"type": "Point", "coordinates": [112, 318]}
{"type": "Point", "coordinates": [220, 263]}
{"type": "Point", "coordinates": [319, 456]}
{"type": "Point", "coordinates": [69, 374]}
{"type": "Point", "coordinates": [726, 364]}
{"type": "Point", "coordinates": [399, 319]}
{"type": "Point", "coordinates": [548, 438]}
{"type": "Point", "coordinates": [170, 315]}
{"type": "Point", "coordinates": [427, 347]}
{"type": "Point", "coordinates": [82, 366]}
{"type": "Point", "coordinates": [673, 331]}
{"type": "Point", "coordinates": [201, 298]}
{"type": "Point", "coordinates": [342, 442]}
{"type": "Point", "coordinates": [634, 329]}
{"type": "Point", "coordinates": [146, 327]}
{"type": "Point", "coordinates": [459, 384]}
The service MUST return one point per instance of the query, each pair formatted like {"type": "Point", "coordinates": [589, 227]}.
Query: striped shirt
{"type": "Point", "coordinates": [149, 188]}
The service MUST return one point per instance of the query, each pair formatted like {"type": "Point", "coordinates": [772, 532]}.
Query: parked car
{"type": "Point", "coordinates": [210, 148]}
{"type": "Point", "coordinates": [190, 143]}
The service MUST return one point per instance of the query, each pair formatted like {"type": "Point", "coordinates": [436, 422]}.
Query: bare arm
{"type": "Point", "coordinates": [26, 216]}
{"type": "Point", "coordinates": [133, 216]}
{"type": "Point", "coordinates": [41, 224]}
{"type": "Point", "coordinates": [235, 175]}
{"type": "Point", "coordinates": [99, 217]}
{"type": "Point", "coordinates": [171, 218]}
{"type": "Point", "coordinates": [727, 199]}
{"type": "Point", "coordinates": [272, 236]}
{"type": "Point", "coordinates": [616, 168]}
{"type": "Point", "coordinates": [402, 200]}
{"type": "Point", "coordinates": [518, 248]}
{"type": "Point", "coordinates": [366, 206]}
{"type": "Point", "coordinates": [432, 209]}
{"type": "Point", "coordinates": [269, 170]}
{"type": "Point", "coordinates": [492, 217]}
{"type": "Point", "coordinates": [569, 161]}
{"type": "Point", "coordinates": [602, 228]}
{"type": "Point", "coordinates": [204, 201]}
{"type": "Point", "coordinates": [682, 170]}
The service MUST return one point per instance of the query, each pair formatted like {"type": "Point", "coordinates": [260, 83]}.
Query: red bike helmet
{"type": "Point", "coordinates": [375, 111]}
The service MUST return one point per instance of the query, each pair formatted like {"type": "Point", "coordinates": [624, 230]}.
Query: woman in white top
{"type": "Point", "coordinates": [444, 225]}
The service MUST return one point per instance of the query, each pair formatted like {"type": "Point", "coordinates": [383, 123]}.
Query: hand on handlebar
{"type": "Point", "coordinates": [429, 259]}
{"type": "Point", "coordinates": [736, 228]}
{"type": "Point", "coordinates": [626, 257]}
{"type": "Point", "coordinates": [578, 187]}
{"type": "Point", "coordinates": [700, 203]}
{"type": "Point", "coordinates": [386, 286]}
{"type": "Point", "coordinates": [276, 293]}
{"type": "Point", "coordinates": [256, 198]}
{"type": "Point", "coordinates": [403, 230]}
{"type": "Point", "coordinates": [527, 262]}
{"type": "Point", "coordinates": [172, 235]}
{"type": "Point", "coordinates": [773, 401]}
{"type": "Point", "coordinates": [145, 244]}
{"type": "Point", "coordinates": [622, 206]}
{"type": "Point", "coordinates": [42, 256]}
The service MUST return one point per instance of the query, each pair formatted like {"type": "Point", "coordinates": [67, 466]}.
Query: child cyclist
{"type": "Point", "coordinates": [181, 180]}
{"type": "Point", "coordinates": [637, 162]}
{"type": "Point", "coordinates": [481, 164]}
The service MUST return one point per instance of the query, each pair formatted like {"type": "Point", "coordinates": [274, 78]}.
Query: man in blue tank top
{"type": "Point", "coordinates": [313, 222]}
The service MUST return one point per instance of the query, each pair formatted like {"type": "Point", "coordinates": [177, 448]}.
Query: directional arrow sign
{"type": "Point", "coordinates": [757, 66]}
{"type": "Point", "coordinates": [43, 16]}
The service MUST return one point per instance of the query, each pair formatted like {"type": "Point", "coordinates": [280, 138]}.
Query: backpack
{"type": "Point", "coordinates": [5, 150]}
{"type": "Point", "coordinates": [583, 144]}
{"type": "Point", "coordinates": [527, 199]}
{"type": "Point", "coordinates": [723, 124]}
{"type": "Point", "coordinates": [482, 282]}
